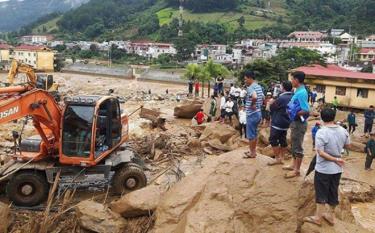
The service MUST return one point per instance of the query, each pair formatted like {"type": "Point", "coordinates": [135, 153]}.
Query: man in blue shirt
{"type": "Point", "coordinates": [369, 120]}
{"type": "Point", "coordinates": [254, 101]}
{"type": "Point", "coordinates": [299, 124]}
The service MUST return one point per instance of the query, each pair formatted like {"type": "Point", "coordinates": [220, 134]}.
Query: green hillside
{"type": "Point", "coordinates": [207, 21]}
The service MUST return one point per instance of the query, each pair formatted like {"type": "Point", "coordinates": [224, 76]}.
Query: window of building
{"type": "Point", "coordinates": [29, 54]}
{"type": "Point", "coordinates": [341, 91]}
{"type": "Point", "coordinates": [362, 93]}
{"type": "Point", "coordinates": [320, 88]}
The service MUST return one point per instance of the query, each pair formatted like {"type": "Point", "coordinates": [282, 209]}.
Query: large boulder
{"type": "Point", "coordinates": [188, 109]}
{"type": "Point", "coordinates": [357, 147]}
{"type": "Point", "coordinates": [219, 131]}
{"type": "Point", "coordinates": [357, 191]}
{"type": "Point", "coordinates": [5, 217]}
{"type": "Point", "coordinates": [138, 203]}
{"type": "Point", "coordinates": [98, 218]}
{"type": "Point", "coordinates": [260, 199]}
{"type": "Point", "coordinates": [264, 136]}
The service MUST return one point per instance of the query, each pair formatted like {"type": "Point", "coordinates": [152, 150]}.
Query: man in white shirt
{"type": "Point", "coordinates": [222, 107]}
{"type": "Point", "coordinates": [232, 90]}
{"type": "Point", "coordinates": [242, 117]}
{"type": "Point", "coordinates": [243, 94]}
{"type": "Point", "coordinates": [229, 109]}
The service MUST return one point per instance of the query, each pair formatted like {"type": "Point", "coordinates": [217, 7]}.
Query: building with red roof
{"type": "Point", "coordinates": [366, 54]}
{"type": "Point", "coordinates": [306, 36]}
{"type": "Point", "coordinates": [352, 89]}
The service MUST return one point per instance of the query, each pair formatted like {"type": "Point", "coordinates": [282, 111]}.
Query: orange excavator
{"type": "Point", "coordinates": [85, 136]}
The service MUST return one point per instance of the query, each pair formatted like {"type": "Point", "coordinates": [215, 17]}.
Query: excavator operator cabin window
{"type": "Point", "coordinates": [77, 131]}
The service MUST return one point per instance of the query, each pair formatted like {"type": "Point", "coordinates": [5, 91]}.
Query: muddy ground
{"type": "Point", "coordinates": [178, 160]}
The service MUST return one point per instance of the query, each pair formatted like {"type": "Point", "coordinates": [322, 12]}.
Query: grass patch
{"type": "Point", "coordinates": [227, 18]}
{"type": "Point", "coordinates": [49, 26]}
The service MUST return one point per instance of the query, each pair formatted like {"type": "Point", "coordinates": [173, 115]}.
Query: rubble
{"type": "Point", "coordinates": [98, 218]}
{"type": "Point", "coordinates": [154, 116]}
{"type": "Point", "coordinates": [138, 203]}
{"type": "Point", "coordinates": [209, 201]}
{"type": "Point", "coordinates": [357, 191]}
{"type": "Point", "coordinates": [5, 217]}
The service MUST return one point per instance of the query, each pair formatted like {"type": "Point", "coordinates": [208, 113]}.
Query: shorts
{"type": "Point", "coordinates": [252, 123]}
{"type": "Point", "coordinates": [222, 113]}
{"type": "Point", "coordinates": [326, 188]}
{"type": "Point", "coordinates": [368, 128]}
{"type": "Point", "coordinates": [297, 135]}
{"type": "Point", "coordinates": [278, 138]}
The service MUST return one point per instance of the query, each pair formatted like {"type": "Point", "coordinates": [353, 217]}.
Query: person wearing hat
{"type": "Point", "coordinates": [314, 130]}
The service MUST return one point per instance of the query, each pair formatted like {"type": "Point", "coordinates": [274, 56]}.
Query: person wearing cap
{"type": "Point", "coordinates": [314, 130]}
{"type": "Point", "coordinates": [370, 152]}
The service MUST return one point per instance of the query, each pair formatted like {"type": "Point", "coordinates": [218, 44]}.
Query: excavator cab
{"type": "Point", "coordinates": [91, 129]}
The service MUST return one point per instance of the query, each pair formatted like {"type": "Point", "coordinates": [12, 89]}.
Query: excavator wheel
{"type": "Point", "coordinates": [28, 188]}
{"type": "Point", "coordinates": [127, 178]}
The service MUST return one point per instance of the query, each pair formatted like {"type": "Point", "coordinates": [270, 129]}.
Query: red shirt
{"type": "Point", "coordinates": [197, 86]}
{"type": "Point", "coordinates": [199, 117]}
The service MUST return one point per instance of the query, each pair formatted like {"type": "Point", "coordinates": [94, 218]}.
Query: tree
{"type": "Point", "coordinates": [184, 48]}
{"type": "Point", "coordinates": [276, 69]}
{"type": "Point", "coordinates": [214, 70]}
{"type": "Point", "coordinates": [241, 21]}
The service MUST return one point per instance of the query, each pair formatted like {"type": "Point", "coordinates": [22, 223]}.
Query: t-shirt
{"type": "Point", "coordinates": [302, 97]}
{"type": "Point", "coordinates": [243, 93]}
{"type": "Point", "coordinates": [222, 102]}
{"type": "Point", "coordinates": [232, 90]}
{"type": "Point", "coordinates": [242, 116]}
{"type": "Point", "coordinates": [229, 106]}
{"type": "Point", "coordinates": [371, 146]}
{"type": "Point", "coordinates": [199, 117]}
{"type": "Point", "coordinates": [254, 88]}
{"type": "Point", "coordinates": [331, 140]}
{"type": "Point", "coordinates": [237, 92]}
{"type": "Point", "coordinates": [369, 116]}
{"type": "Point", "coordinates": [351, 118]}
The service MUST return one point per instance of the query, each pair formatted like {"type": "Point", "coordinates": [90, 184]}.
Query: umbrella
{"type": "Point", "coordinates": [312, 166]}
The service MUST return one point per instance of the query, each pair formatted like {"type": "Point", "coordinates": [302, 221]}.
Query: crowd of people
{"type": "Point", "coordinates": [286, 107]}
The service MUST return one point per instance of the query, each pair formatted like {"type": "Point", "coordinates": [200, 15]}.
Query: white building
{"type": "Point", "coordinates": [306, 36]}
{"type": "Point", "coordinates": [335, 33]}
{"type": "Point", "coordinates": [151, 49]}
{"type": "Point", "coordinates": [346, 38]}
{"type": "Point", "coordinates": [36, 39]}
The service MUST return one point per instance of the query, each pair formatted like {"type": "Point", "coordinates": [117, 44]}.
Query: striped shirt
{"type": "Point", "coordinates": [255, 87]}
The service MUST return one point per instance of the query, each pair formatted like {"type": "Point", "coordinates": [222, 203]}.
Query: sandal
{"type": "Point", "coordinates": [248, 155]}
{"type": "Point", "coordinates": [291, 175]}
{"type": "Point", "coordinates": [313, 220]}
{"type": "Point", "coordinates": [288, 168]}
{"type": "Point", "coordinates": [329, 219]}
{"type": "Point", "coordinates": [275, 162]}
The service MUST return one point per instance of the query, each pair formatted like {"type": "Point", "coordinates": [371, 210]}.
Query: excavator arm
{"type": "Point", "coordinates": [18, 102]}
{"type": "Point", "coordinates": [17, 67]}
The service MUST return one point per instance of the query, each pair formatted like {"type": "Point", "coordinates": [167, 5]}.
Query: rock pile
{"type": "Point", "coordinates": [220, 137]}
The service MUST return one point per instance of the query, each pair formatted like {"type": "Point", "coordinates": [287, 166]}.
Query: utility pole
{"type": "Point", "coordinates": [180, 21]}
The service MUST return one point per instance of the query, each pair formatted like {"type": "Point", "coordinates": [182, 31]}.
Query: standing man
{"type": "Point", "coordinates": [330, 141]}
{"type": "Point", "coordinates": [352, 121]}
{"type": "Point", "coordinates": [220, 82]}
{"type": "Point", "coordinates": [370, 152]}
{"type": "Point", "coordinates": [213, 108]}
{"type": "Point", "coordinates": [191, 87]}
{"type": "Point", "coordinates": [369, 120]}
{"type": "Point", "coordinates": [196, 89]}
{"type": "Point", "coordinates": [314, 95]}
{"type": "Point", "coordinates": [335, 103]}
{"type": "Point", "coordinates": [222, 107]}
{"type": "Point", "coordinates": [298, 111]}
{"type": "Point", "coordinates": [254, 101]}
{"type": "Point", "coordinates": [280, 123]}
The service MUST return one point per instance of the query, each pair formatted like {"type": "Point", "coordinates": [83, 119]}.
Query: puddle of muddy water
{"type": "Point", "coordinates": [364, 214]}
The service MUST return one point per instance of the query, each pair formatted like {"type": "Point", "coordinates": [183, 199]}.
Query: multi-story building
{"type": "Point", "coordinates": [4, 52]}
{"type": "Point", "coordinates": [346, 38]}
{"type": "Point", "coordinates": [39, 57]}
{"type": "Point", "coordinates": [324, 48]}
{"type": "Point", "coordinates": [205, 51]}
{"type": "Point", "coordinates": [36, 39]}
{"type": "Point", "coordinates": [306, 36]}
{"type": "Point", "coordinates": [370, 38]}
{"type": "Point", "coordinates": [352, 89]}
